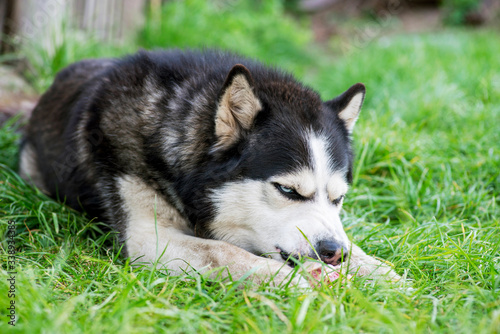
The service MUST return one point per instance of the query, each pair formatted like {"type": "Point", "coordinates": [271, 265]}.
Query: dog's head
{"type": "Point", "coordinates": [294, 164]}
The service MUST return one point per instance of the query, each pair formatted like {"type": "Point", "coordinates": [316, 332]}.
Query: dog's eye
{"type": "Point", "coordinates": [285, 189]}
{"type": "Point", "coordinates": [337, 200]}
{"type": "Point", "coordinates": [289, 192]}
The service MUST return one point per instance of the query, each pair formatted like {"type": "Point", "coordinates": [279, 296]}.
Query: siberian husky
{"type": "Point", "coordinates": [201, 160]}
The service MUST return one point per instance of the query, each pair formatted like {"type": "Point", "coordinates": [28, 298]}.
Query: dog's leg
{"type": "Point", "coordinates": [156, 232]}
{"type": "Point", "coordinates": [362, 264]}
{"type": "Point", "coordinates": [181, 253]}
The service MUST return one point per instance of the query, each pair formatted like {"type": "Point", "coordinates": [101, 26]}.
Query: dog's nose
{"type": "Point", "coordinates": [331, 252]}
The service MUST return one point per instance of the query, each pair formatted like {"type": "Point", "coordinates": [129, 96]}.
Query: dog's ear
{"type": "Point", "coordinates": [237, 107]}
{"type": "Point", "coordinates": [348, 105]}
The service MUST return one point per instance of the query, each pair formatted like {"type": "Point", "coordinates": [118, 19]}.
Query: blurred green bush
{"type": "Point", "coordinates": [259, 29]}
{"type": "Point", "coordinates": [456, 11]}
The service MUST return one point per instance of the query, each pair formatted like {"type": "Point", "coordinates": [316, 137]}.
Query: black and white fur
{"type": "Point", "coordinates": [201, 160]}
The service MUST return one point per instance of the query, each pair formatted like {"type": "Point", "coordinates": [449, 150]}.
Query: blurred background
{"type": "Point", "coordinates": [39, 37]}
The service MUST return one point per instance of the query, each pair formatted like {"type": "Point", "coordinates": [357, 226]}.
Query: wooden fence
{"type": "Point", "coordinates": [107, 19]}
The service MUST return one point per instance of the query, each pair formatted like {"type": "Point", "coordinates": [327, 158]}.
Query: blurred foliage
{"type": "Point", "coordinates": [257, 29]}
{"type": "Point", "coordinates": [61, 45]}
{"type": "Point", "coordinates": [456, 10]}
{"type": "Point", "coordinates": [9, 140]}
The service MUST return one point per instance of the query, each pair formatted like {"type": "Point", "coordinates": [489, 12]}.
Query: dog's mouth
{"type": "Point", "coordinates": [289, 258]}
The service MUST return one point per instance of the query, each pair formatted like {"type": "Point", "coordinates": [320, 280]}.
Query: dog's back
{"type": "Point", "coordinates": [45, 147]}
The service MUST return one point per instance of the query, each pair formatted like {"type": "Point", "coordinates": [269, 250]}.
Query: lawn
{"type": "Point", "coordinates": [425, 195]}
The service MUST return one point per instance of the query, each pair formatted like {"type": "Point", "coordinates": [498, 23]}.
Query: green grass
{"type": "Point", "coordinates": [425, 197]}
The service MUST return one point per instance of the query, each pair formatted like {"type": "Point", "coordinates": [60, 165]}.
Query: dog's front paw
{"type": "Point", "coordinates": [317, 272]}
{"type": "Point", "coordinates": [376, 270]}
{"type": "Point", "coordinates": [361, 264]}
{"type": "Point", "coordinates": [268, 271]}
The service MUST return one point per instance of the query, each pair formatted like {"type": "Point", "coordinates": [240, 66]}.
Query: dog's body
{"type": "Point", "coordinates": [200, 162]}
